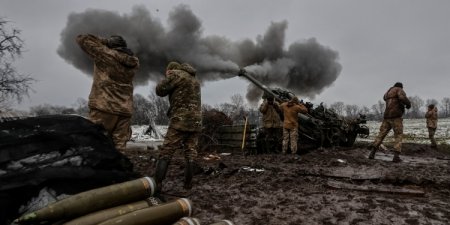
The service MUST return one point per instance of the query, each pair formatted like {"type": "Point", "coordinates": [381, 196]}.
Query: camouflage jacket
{"type": "Point", "coordinates": [290, 112]}
{"type": "Point", "coordinates": [112, 88]}
{"type": "Point", "coordinates": [270, 118]}
{"type": "Point", "coordinates": [396, 101]}
{"type": "Point", "coordinates": [432, 118]}
{"type": "Point", "coordinates": [184, 97]}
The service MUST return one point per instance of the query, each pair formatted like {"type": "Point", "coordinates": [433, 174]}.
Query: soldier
{"type": "Point", "coordinates": [432, 119]}
{"type": "Point", "coordinates": [111, 97]}
{"type": "Point", "coordinates": [185, 118]}
{"type": "Point", "coordinates": [290, 111]}
{"type": "Point", "coordinates": [396, 101]}
{"type": "Point", "coordinates": [272, 123]}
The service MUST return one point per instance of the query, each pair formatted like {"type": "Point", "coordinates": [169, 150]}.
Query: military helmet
{"type": "Point", "coordinates": [173, 66]}
{"type": "Point", "coordinates": [398, 84]}
{"type": "Point", "coordinates": [116, 41]}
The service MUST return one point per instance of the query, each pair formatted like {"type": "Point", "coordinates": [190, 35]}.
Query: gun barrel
{"type": "Point", "coordinates": [244, 73]}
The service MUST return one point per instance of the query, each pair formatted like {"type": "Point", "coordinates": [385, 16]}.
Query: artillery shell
{"type": "Point", "coordinates": [166, 213]}
{"type": "Point", "coordinates": [223, 222]}
{"type": "Point", "coordinates": [93, 200]}
{"type": "Point", "coordinates": [188, 221]}
{"type": "Point", "coordinates": [106, 214]}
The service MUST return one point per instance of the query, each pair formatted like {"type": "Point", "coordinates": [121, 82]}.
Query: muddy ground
{"type": "Point", "coordinates": [328, 186]}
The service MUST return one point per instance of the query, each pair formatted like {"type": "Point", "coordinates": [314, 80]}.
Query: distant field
{"type": "Point", "coordinates": [414, 131]}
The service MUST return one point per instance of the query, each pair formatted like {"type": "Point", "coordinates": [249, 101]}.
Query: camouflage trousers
{"type": "Point", "coordinates": [431, 132]}
{"type": "Point", "coordinates": [179, 140]}
{"type": "Point", "coordinates": [290, 135]}
{"type": "Point", "coordinates": [272, 139]}
{"type": "Point", "coordinates": [118, 127]}
{"type": "Point", "coordinates": [388, 124]}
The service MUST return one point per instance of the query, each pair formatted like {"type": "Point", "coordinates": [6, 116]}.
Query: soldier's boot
{"type": "Point", "coordinates": [372, 152]}
{"type": "Point", "coordinates": [160, 175]}
{"type": "Point", "coordinates": [188, 174]}
{"type": "Point", "coordinates": [396, 158]}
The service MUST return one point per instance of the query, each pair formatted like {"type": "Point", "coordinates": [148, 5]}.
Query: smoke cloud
{"type": "Point", "coordinates": [305, 67]}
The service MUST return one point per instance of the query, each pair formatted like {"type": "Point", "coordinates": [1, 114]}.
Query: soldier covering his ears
{"type": "Point", "coordinates": [185, 119]}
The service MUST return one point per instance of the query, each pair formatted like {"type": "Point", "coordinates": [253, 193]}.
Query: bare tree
{"type": "Point", "coordinates": [13, 85]}
{"type": "Point", "coordinates": [431, 102]}
{"type": "Point", "coordinates": [351, 111]}
{"type": "Point", "coordinates": [364, 110]}
{"type": "Point", "coordinates": [445, 106]}
{"type": "Point", "coordinates": [206, 107]}
{"type": "Point", "coordinates": [158, 109]}
{"type": "Point", "coordinates": [338, 107]}
{"type": "Point", "coordinates": [416, 104]}
{"type": "Point", "coordinates": [237, 107]}
{"type": "Point", "coordinates": [226, 108]}
{"type": "Point", "coordinates": [47, 109]}
{"type": "Point", "coordinates": [81, 107]}
{"type": "Point", "coordinates": [141, 110]}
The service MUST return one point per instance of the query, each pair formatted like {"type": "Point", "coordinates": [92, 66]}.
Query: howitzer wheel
{"type": "Point", "coordinates": [364, 134]}
{"type": "Point", "coordinates": [334, 136]}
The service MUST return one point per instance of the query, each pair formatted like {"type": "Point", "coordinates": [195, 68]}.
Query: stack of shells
{"type": "Point", "coordinates": [127, 203]}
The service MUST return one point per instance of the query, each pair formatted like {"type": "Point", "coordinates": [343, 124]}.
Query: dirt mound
{"type": "Point", "coordinates": [328, 186]}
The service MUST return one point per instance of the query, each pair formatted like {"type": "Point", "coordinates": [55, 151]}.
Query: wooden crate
{"type": "Point", "coordinates": [230, 138]}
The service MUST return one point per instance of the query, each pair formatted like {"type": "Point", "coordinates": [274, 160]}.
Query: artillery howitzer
{"type": "Point", "coordinates": [320, 127]}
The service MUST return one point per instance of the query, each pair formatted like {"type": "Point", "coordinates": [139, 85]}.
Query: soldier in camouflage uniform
{"type": "Point", "coordinates": [272, 123]}
{"type": "Point", "coordinates": [396, 101]}
{"type": "Point", "coordinates": [185, 118]}
{"type": "Point", "coordinates": [291, 109]}
{"type": "Point", "coordinates": [432, 118]}
{"type": "Point", "coordinates": [111, 97]}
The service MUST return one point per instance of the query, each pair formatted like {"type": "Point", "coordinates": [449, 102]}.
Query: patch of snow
{"type": "Point", "coordinates": [138, 133]}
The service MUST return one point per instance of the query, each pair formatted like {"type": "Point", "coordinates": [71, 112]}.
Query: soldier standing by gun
{"type": "Point", "coordinates": [111, 97]}
{"type": "Point", "coordinates": [291, 109]}
{"type": "Point", "coordinates": [432, 118]}
{"type": "Point", "coordinates": [271, 120]}
{"type": "Point", "coordinates": [185, 118]}
{"type": "Point", "coordinates": [396, 101]}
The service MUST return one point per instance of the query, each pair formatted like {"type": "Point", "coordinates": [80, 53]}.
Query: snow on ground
{"type": "Point", "coordinates": [138, 133]}
{"type": "Point", "coordinates": [414, 130]}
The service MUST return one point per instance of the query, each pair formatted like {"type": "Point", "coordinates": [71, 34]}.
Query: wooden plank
{"type": "Point", "coordinates": [416, 191]}
{"type": "Point", "coordinates": [347, 173]}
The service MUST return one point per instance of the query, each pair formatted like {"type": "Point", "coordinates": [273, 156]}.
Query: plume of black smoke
{"type": "Point", "coordinates": [306, 68]}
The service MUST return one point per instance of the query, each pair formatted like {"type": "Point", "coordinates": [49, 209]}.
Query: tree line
{"type": "Point", "coordinates": [375, 112]}
{"type": "Point", "coordinates": [153, 109]}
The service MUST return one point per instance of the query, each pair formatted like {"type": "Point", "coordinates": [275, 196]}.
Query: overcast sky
{"type": "Point", "coordinates": [378, 43]}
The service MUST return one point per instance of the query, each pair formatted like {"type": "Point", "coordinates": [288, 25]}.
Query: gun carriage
{"type": "Point", "coordinates": [320, 127]}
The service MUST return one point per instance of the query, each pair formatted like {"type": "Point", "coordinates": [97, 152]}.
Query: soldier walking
{"type": "Point", "coordinates": [272, 123]}
{"type": "Point", "coordinates": [396, 101]}
{"type": "Point", "coordinates": [185, 119]}
{"type": "Point", "coordinates": [111, 98]}
{"type": "Point", "coordinates": [432, 118]}
{"type": "Point", "coordinates": [290, 110]}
